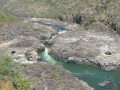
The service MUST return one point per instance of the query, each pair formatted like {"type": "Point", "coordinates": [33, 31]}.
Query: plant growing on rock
{"type": "Point", "coordinates": [56, 74]}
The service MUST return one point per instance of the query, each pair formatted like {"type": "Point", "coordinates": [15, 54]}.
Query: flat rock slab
{"type": "Point", "coordinates": [42, 76]}
{"type": "Point", "coordinates": [97, 46]}
{"type": "Point", "coordinates": [20, 40]}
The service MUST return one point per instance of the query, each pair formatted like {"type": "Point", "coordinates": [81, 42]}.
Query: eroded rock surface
{"type": "Point", "coordinates": [22, 39]}
{"type": "Point", "coordinates": [22, 42]}
{"type": "Point", "coordinates": [43, 76]}
{"type": "Point", "coordinates": [96, 46]}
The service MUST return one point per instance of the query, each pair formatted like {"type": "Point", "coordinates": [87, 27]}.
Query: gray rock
{"type": "Point", "coordinates": [23, 41]}
{"type": "Point", "coordinates": [96, 46]}
{"type": "Point", "coordinates": [31, 55]}
{"type": "Point", "coordinates": [103, 84]}
{"type": "Point", "coordinates": [52, 77]}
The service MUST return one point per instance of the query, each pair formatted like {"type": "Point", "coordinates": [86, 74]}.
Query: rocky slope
{"type": "Point", "coordinates": [83, 12]}
{"type": "Point", "coordinates": [96, 46]}
{"type": "Point", "coordinates": [43, 76]}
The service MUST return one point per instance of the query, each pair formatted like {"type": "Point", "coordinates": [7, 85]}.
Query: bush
{"type": "Point", "coordinates": [89, 21]}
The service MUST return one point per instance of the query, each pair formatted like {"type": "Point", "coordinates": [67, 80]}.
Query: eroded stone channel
{"type": "Point", "coordinates": [93, 76]}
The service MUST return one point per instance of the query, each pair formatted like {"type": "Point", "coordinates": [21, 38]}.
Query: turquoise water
{"type": "Point", "coordinates": [59, 29]}
{"type": "Point", "coordinates": [89, 74]}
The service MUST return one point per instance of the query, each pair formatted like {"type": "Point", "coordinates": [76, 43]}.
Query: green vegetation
{"type": "Point", "coordinates": [82, 12]}
{"type": "Point", "coordinates": [108, 1]}
{"type": "Point", "coordinates": [8, 18]}
{"type": "Point", "coordinates": [56, 74]}
{"type": "Point", "coordinates": [89, 21]}
{"type": "Point", "coordinates": [10, 73]}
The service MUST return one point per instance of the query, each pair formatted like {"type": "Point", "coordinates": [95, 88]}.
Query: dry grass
{"type": "Point", "coordinates": [69, 10]}
{"type": "Point", "coordinates": [6, 85]}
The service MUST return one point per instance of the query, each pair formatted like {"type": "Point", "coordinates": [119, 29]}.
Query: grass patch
{"type": "Point", "coordinates": [10, 76]}
{"type": "Point", "coordinates": [56, 74]}
{"type": "Point", "coordinates": [8, 18]}
{"type": "Point", "coordinates": [6, 85]}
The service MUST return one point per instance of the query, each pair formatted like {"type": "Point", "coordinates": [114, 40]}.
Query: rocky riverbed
{"type": "Point", "coordinates": [22, 42]}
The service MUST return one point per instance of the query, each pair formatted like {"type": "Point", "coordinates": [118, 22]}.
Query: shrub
{"type": "Point", "coordinates": [89, 21]}
{"type": "Point", "coordinates": [56, 74]}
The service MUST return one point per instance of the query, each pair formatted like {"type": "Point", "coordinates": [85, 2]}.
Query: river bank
{"type": "Point", "coordinates": [89, 73]}
{"type": "Point", "coordinates": [97, 46]}
{"type": "Point", "coordinates": [95, 77]}
{"type": "Point", "coordinates": [22, 42]}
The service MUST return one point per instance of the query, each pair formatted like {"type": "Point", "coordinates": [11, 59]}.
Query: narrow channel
{"type": "Point", "coordinates": [89, 74]}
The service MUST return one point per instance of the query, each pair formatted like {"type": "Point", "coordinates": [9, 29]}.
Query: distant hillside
{"type": "Point", "coordinates": [83, 12]}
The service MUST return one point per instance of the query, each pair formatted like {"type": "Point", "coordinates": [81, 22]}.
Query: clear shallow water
{"type": "Point", "coordinates": [89, 74]}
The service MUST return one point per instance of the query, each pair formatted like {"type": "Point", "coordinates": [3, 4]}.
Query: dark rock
{"type": "Point", "coordinates": [108, 53]}
{"type": "Point", "coordinates": [77, 19]}
{"type": "Point", "coordinates": [48, 43]}
{"type": "Point", "coordinates": [13, 52]}
{"type": "Point", "coordinates": [40, 49]}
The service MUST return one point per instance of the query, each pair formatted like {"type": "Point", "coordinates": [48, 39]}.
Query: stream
{"type": "Point", "coordinates": [89, 74]}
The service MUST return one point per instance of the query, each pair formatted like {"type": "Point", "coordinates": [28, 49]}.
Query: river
{"type": "Point", "coordinates": [89, 74]}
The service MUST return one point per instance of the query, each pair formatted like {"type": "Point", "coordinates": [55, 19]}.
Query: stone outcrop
{"type": "Point", "coordinates": [23, 41]}
{"type": "Point", "coordinates": [43, 76]}
{"type": "Point", "coordinates": [96, 46]}
{"type": "Point", "coordinates": [103, 84]}
{"type": "Point", "coordinates": [109, 85]}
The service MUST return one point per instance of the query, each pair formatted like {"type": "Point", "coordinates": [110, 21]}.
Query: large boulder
{"type": "Point", "coordinates": [109, 85]}
{"type": "Point", "coordinates": [103, 84]}
{"type": "Point", "coordinates": [96, 46]}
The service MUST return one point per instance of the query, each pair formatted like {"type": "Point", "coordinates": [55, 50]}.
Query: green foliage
{"type": "Point", "coordinates": [9, 70]}
{"type": "Point", "coordinates": [66, 10]}
{"type": "Point", "coordinates": [20, 84]}
{"type": "Point", "coordinates": [56, 74]}
{"type": "Point", "coordinates": [108, 1]}
{"type": "Point", "coordinates": [8, 18]}
{"type": "Point", "coordinates": [89, 21]}
{"type": "Point", "coordinates": [4, 65]}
